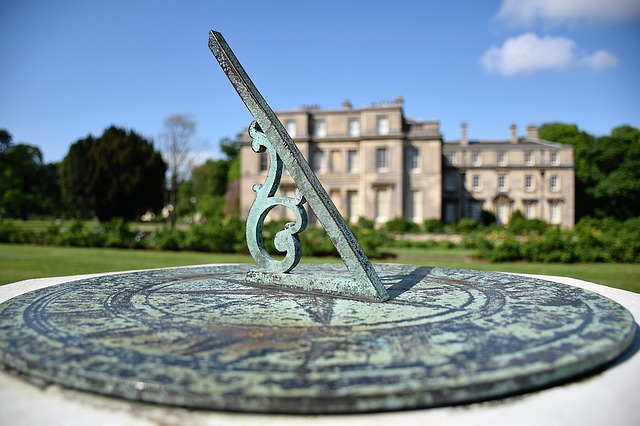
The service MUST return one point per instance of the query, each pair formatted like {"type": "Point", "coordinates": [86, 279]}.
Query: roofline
{"type": "Point", "coordinates": [507, 143]}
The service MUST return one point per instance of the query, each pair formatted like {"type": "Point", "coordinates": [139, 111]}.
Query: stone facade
{"type": "Point", "coordinates": [526, 174]}
{"type": "Point", "coordinates": [376, 163]}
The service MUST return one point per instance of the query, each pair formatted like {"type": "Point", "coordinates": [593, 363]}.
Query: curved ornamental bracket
{"type": "Point", "coordinates": [286, 240]}
{"type": "Point", "coordinates": [267, 131]}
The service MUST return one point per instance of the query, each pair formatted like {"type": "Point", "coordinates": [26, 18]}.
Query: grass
{"type": "Point", "coordinates": [625, 276]}
{"type": "Point", "coordinates": [21, 262]}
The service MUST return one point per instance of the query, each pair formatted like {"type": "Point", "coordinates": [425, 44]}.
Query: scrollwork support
{"type": "Point", "coordinates": [286, 240]}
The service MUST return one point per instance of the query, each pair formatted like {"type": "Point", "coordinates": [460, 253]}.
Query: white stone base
{"type": "Point", "coordinates": [609, 398]}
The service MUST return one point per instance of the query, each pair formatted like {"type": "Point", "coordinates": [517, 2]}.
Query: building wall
{"type": "Point", "coordinates": [388, 166]}
{"type": "Point", "coordinates": [532, 176]}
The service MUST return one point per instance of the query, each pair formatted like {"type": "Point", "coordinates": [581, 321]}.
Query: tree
{"type": "Point", "coordinates": [27, 185]}
{"type": "Point", "coordinates": [207, 186]}
{"type": "Point", "coordinates": [118, 174]}
{"type": "Point", "coordinates": [5, 140]}
{"type": "Point", "coordinates": [617, 160]}
{"type": "Point", "coordinates": [607, 169]}
{"type": "Point", "coordinates": [213, 184]}
{"type": "Point", "coordinates": [584, 173]}
{"type": "Point", "coordinates": [176, 142]}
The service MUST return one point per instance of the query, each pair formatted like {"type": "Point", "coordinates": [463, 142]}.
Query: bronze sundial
{"type": "Point", "coordinates": [314, 339]}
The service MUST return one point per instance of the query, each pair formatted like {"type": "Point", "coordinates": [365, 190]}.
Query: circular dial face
{"type": "Point", "coordinates": [202, 337]}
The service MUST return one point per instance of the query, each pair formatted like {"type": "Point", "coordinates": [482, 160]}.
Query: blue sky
{"type": "Point", "coordinates": [72, 68]}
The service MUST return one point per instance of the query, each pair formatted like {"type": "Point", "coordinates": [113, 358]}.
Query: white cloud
{"type": "Point", "coordinates": [600, 60]}
{"type": "Point", "coordinates": [526, 12]}
{"type": "Point", "coordinates": [528, 53]}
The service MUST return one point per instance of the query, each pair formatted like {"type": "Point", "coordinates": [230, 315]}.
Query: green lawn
{"type": "Point", "coordinates": [619, 275]}
{"type": "Point", "coordinates": [20, 262]}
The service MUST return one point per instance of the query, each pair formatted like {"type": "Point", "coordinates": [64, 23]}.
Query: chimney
{"type": "Point", "coordinates": [463, 134]}
{"type": "Point", "coordinates": [346, 104]}
{"type": "Point", "coordinates": [532, 132]}
{"type": "Point", "coordinates": [513, 134]}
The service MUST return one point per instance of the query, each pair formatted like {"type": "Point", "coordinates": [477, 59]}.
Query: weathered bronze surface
{"type": "Point", "coordinates": [203, 337]}
{"type": "Point", "coordinates": [268, 133]}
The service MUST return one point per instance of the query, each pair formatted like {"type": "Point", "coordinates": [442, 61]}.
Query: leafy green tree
{"type": "Point", "coordinates": [27, 185]}
{"type": "Point", "coordinates": [231, 149]}
{"type": "Point", "coordinates": [205, 190]}
{"type": "Point", "coordinates": [607, 169]}
{"type": "Point", "coordinates": [5, 140]}
{"type": "Point", "coordinates": [117, 175]}
{"type": "Point", "coordinates": [212, 189]}
{"type": "Point", "coordinates": [617, 162]}
{"type": "Point", "coordinates": [585, 174]}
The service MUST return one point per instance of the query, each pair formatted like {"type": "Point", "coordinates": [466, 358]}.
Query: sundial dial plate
{"type": "Point", "coordinates": [203, 337]}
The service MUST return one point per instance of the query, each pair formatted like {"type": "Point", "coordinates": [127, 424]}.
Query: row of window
{"type": "Point", "coordinates": [529, 158]}
{"type": "Point", "coordinates": [321, 164]}
{"type": "Point", "coordinates": [382, 159]}
{"type": "Point", "coordinates": [319, 127]}
{"type": "Point", "coordinates": [503, 211]}
{"type": "Point", "coordinates": [351, 208]}
{"type": "Point", "coordinates": [529, 183]}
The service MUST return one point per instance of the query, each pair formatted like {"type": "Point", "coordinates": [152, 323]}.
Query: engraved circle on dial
{"type": "Point", "coordinates": [201, 337]}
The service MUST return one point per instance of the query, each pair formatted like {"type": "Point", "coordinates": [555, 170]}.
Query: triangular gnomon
{"type": "Point", "coordinates": [268, 133]}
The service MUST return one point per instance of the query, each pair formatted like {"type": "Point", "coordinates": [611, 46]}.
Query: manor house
{"type": "Point", "coordinates": [376, 163]}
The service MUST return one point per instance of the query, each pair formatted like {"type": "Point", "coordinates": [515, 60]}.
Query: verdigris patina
{"type": "Point", "coordinates": [268, 133]}
{"type": "Point", "coordinates": [201, 337]}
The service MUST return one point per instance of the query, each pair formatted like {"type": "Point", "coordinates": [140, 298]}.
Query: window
{"type": "Point", "coordinates": [555, 158]}
{"type": "Point", "coordinates": [476, 211]}
{"type": "Point", "coordinates": [449, 182]}
{"type": "Point", "coordinates": [528, 158]}
{"type": "Point", "coordinates": [449, 212]}
{"type": "Point", "coordinates": [383, 203]}
{"type": "Point", "coordinates": [264, 161]}
{"type": "Point", "coordinates": [291, 127]}
{"type": "Point", "coordinates": [352, 205]}
{"type": "Point", "coordinates": [413, 160]}
{"type": "Point", "coordinates": [476, 159]}
{"type": "Point", "coordinates": [529, 183]}
{"type": "Point", "coordinates": [319, 161]}
{"type": "Point", "coordinates": [476, 182]}
{"type": "Point", "coordinates": [528, 210]}
{"type": "Point", "coordinates": [502, 183]}
{"type": "Point", "coordinates": [382, 125]}
{"type": "Point", "coordinates": [554, 215]}
{"type": "Point", "coordinates": [319, 128]}
{"type": "Point", "coordinates": [285, 213]}
{"type": "Point", "coordinates": [336, 197]}
{"type": "Point", "coordinates": [414, 207]}
{"type": "Point", "coordinates": [354, 127]}
{"type": "Point", "coordinates": [502, 158]}
{"type": "Point", "coordinates": [352, 161]}
{"type": "Point", "coordinates": [554, 183]}
{"type": "Point", "coordinates": [382, 160]}
{"type": "Point", "coordinates": [337, 161]}
{"type": "Point", "coordinates": [450, 159]}
{"type": "Point", "coordinates": [502, 213]}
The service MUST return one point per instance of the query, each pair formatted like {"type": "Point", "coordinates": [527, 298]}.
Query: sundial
{"type": "Point", "coordinates": [288, 337]}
